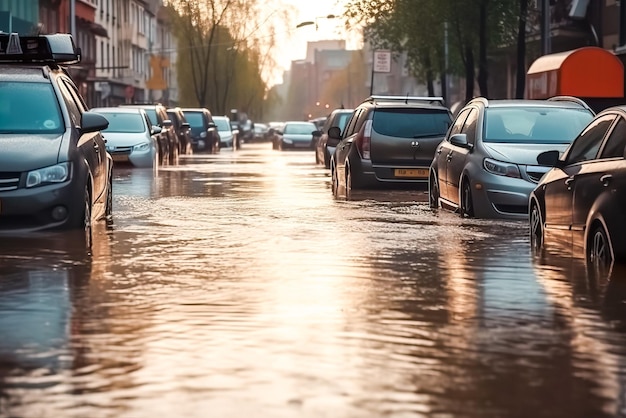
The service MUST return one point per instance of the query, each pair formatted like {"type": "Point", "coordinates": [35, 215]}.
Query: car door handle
{"type": "Point", "coordinates": [606, 180]}
{"type": "Point", "coordinates": [449, 157]}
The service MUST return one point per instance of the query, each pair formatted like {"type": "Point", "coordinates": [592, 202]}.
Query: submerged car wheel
{"type": "Point", "coordinates": [108, 211]}
{"type": "Point", "coordinates": [433, 191]}
{"type": "Point", "coordinates": [467, 206]}
{"type": "Point", "coordinates": [599, 249]}
{"type": "Point", "coordinates": [87, 226]}
{"type": "Point", "coordinates": [349, 181]}
{"type": "Point", "coordinates": [174, 156]}
{"type": "Point", "coordinates": [536, 229]}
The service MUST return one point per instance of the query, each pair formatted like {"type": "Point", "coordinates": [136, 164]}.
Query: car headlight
{"type": "Point", "coordinates": [287, 141]}
{"type": "Point", "coordinates": [142, 147]}
{"type": "Point", "coordinates": [53, 174]}
{"type": "Point", "coordinates": [202, 134]}
{"type": "Point", "coordinates": [501, 168]}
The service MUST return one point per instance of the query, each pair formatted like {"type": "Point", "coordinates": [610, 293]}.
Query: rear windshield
{"type": "Point", "coordinates": [536, 125]}
{"type": "Point", "coordinates": [411, 123]}
{"type": "Point", "coordinates": [29, 108]}
{"type": "Point", "coordinates": [222, 124]}
{"type": "Point", "coordinates": [124, 122]}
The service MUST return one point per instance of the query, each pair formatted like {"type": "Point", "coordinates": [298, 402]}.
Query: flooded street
{"type": "Point", "coordinates": [236, 285]}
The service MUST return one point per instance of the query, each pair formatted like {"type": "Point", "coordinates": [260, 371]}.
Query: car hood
{"type": "Point", "coordinates": [29, 152]}
{"type": "Point", "coordinates": [124, 139]}
{"type": "Point", "coordinates": [525, 154]}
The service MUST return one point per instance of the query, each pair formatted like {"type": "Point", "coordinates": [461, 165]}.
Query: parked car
{"type": "Point", "coordinates": [325, 146]}
{"type": "Point", "coordinates": [130, 136]}
{"type": "Point", "coordinates": [582, 199]}
{"type": "Point", "coordinates": [182, 129]}
{"type": "Point", "coordinates": [274, 133]}
{"type": "Point", "coordinates": [297, 135]}
{"type": "Point", "coordinates": [389, 140]}
{"type": "Point", "coordinates": [260, 132]}
{"type": "Point", "coordinates": [167, 138]}
{"type": "Point", "coordinates": [55, 172]}
{"type": "Point", "coordinates": [486, 166]}
{"type": "Point", "coordinates": [225, 131]}
{"type": "Point", "coordinates": [204, 135]}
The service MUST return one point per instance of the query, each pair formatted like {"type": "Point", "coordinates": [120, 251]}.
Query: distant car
{"type": "Point", "coordinates": [182, 129]}
{"type": "Point", "coordinates": [297, 135]}
{"type": "Point", "coordinates": [389, 141]}
{"type": "Point", "coordinates": [130, 136]}
{"type": "Point", "coordinates": [582, 199]}
{"type": "Point", "coordinates": [225, 131]}
{"type": "Point", "coordinates": [325, 146]}
{"type": "Point", "coordinates": [486, 166]}
{"type": "Point", "coordinates": [204, 135]}
{"type": "Point", "coordinates": [260, 132]}
{"type": "Point", "coordinates": [55, 172]}
{"type": "Point", "coordinates": [166, 138]}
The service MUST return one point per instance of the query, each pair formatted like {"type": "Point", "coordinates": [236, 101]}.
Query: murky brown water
{"type": "Point", "coordinates": [236, 285]}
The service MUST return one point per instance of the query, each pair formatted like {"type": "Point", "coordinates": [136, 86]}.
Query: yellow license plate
{"type": "Point", "coordinates": [420, 173]}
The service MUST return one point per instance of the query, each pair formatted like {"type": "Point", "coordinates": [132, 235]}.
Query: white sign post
{"type": "Point", "coordinates": [382, 61]}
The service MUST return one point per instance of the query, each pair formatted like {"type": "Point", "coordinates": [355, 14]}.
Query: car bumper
{"type": "Point", "coordinates": [366, 174]}
{"type": "Point", "coordinates": [41, 208]}
{"type": "Point", "coordinates": [140, 159]}
{"type": "Point", "coordinates": [501, 197]}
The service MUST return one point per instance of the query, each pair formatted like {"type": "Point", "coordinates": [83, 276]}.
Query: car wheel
{"type": "Point", "coordinates": [349, 181]}
{"type": "Point", "coordinates": [433, 191]}
{"type": "Point", "coordinates": [599, 249]}
{"type": "Point", "coordinates": [108, 211]}
{"type": "Point", "coordinates": [536, 229]}
{"type": "Point", "coordinates": [334, 179]}
{"type": "Point", "coordinates": [326, 159]}
{"type": "Point", "coordinates": [87, 226]}
{"type": "Point", "coordinates": [174, 156]}
{"type": "Point", "coordinates": [317, 158]}
{"type": "Point", "coordinates": [467, 206]}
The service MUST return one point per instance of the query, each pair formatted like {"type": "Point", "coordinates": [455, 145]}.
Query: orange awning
{"type": "Point", "coordinates": [584, 72]}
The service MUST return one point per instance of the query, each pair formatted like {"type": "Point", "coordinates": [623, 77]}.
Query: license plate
{"type": "Point", "coordinates": [119, 158]}
{"type": "Point", "coordinates": [420, 173]}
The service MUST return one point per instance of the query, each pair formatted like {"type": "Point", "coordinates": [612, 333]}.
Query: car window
{"type": "Point", "coordinates": [342, 120]}
{"type": "Point", "coordinates": [616, 143]}
{"type": "Point", "coordinates": [352, 123]}
{"type": "Point", "coordinates": [153, 116]}
{"type": "Point", "coordinates": [72, 107]}
{"type": "Point", "coordinates": [534, 124]}
{"type": "Point", "coordinates": [411, 122]}
{"type": "Point", "coordinates": [459, 121]}
{"type": "Point", "coordinates": [29, 108]}
{"type": "Point", "coordinates": [124, 122]}
{"type": "Point", "coordinates": [195, 119]}
{"type": "Point", "coordinates": [469, 127]}
{"type": "Point", "coordinates": [299, 128]}
{"type": "Point", "coordinates": [586, 146]}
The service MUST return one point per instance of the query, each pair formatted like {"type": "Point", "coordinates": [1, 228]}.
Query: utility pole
{"type": "Point", "coordinates": [545, 27]}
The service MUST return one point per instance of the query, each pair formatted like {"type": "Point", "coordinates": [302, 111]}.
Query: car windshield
{"type": "Point", "coordinates": [536, 125]}
{"type": "Point", "coordinates": [195, 119]}
{"type": "Point", "coordinates": [299, 128]}
{"type": "Point", "coordinates": [29, 108]}
{"type": "Point", "coordinates": [411, 123]}
{"type": "Point", "coordinates": [124, 122]}
{"type": "Point", "coordinates": [222, 124]}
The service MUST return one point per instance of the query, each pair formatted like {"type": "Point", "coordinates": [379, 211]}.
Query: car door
{"type": "Point", "coordinates": [559, 190]}
{"type": "Point", "coordinates": [457, 156]}
{"type": "Point", "coordinates": [343, 148]}
{"type": "Point", "coordinates": [91, 146]}
{"type": "Point", "coordinates": [605, 174]}
{"type": "Point", "coordinates": [443, 151]}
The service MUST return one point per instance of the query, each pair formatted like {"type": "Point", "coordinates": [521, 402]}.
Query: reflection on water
{"type": "Point", "coordinates": [236, 283]}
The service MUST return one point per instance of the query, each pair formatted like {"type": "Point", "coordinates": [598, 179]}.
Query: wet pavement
{"type": "Point", "coordinates": [237, 285]}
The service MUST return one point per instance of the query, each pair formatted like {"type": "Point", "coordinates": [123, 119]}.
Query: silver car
{"type": "Point", "coordinates": [486, 166]}
{"type": "Point", "coordinates": [225, 131]}
{"type": "Point", "coordinates": [297, 135]}
{"type": "Point", "coordinates": [130, 137]}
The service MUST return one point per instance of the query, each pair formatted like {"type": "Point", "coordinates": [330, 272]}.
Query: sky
{"type": "Point", "coordinates": [292, 45]}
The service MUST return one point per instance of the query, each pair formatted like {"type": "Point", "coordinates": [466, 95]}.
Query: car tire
{"type": "Point", "coordinates": [349, 181]}
{"type": "Point", "coordinates": [536, 229]}
{"type": "Point", "coordinates": [86, 218]}
{"type": "Point", "coordinates": [108, 210]}
{"type": "Point", "coordinates": [433, 191]}
{"type": "Point", "coordinates": [317, 158]}
{"type": "Point", "coordinates": [326, 159]}
{"type": "Point", "coordinates": [334, 181]}
{"type": "Point", "coordinates": [466, 204]}
{"type": "Point", "coordinates": [599, 249]}
{"type": "Point", "coordinates": [174, 156]}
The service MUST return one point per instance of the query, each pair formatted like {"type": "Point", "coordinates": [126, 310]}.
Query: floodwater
{"type": "Point", "coordinates": [236, 285]}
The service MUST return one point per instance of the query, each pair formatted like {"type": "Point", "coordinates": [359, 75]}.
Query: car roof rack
{"type": "Point", "coordinates": [407, 99]}
{"type": "Point", "coordinates": [56, 48]}
{"type": "Point", "coordinates": [570, 99]}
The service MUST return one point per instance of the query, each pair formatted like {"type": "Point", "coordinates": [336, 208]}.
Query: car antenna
{"type": "Point", "coordinates": [406, 101]}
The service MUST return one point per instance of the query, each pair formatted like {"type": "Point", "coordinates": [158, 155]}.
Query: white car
{"type": "Point", "coordinates": [224, 130]}
{"type": "Point", "coordinates": [130, 136]}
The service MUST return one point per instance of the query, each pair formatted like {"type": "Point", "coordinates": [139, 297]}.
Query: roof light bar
{"type": "Point", "coordinates": [406, 99]}
{"type": "Point", "coordinates": [58, 48]}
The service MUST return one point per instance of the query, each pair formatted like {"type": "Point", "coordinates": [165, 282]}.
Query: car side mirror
{"type": "Point", "coordinates": [334, 132]}
{"type": "Point", "coordinates": [92, 122]}
{"type": "Point", "coordinates": [317, 133]}
{"type": "Point", "coordinates": [549, 158]}
{"type": "Point", "coordinates": [166, 123]}
{"type": "Point", "coordinates": [156, 130]}
{"type": "Point", "coordinates": [185, 125]}
{"type": "Point", "coordinates": [460, 140]}
{"type": "Point", "coordinates": [212, 125]}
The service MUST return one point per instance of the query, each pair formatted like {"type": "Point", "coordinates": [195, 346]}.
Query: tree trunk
{"type": "Point", "coordinates": [520, 84]}
{"type": "Point", "coordinates": [483, 73]}
{"type": "Point", "coordinates": [470, 73]}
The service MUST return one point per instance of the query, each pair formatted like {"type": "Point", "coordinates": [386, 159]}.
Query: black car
{"type": "Point", "coordinates": [182, 129]}
{"type": "Point", "coordinates": [581, 201]}
{"type": "Point", "coordinates": [325, 146]}
{"type": "Point", "coordinates": [55, 172]}
{"type": "Point", "coordinates": [167, 139]}
{"type": "Point", "coordinates": [204, 135]}
{"type": "Point", "coordinates": [388, 141]}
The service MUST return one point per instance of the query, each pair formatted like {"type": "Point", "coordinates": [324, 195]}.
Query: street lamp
{"type": "Point", "coordinates": [314, 22]}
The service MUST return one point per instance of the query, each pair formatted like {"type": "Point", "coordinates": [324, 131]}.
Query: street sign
{"type": "Point", "coordinates": [382, 61]}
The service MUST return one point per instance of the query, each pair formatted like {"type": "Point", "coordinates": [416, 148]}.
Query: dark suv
{"type": "Point", "coordinates": [55, 172]}
{"type": "Point", "coordinates": [389, 140]}
{"type": "Point", "coordinates": [167, 138]}
{"type": "Point", "coordinates": [204, 134]}
{"type": "Point", "coordinates": [182, 129]}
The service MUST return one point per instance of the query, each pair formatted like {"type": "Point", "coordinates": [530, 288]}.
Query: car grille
{"type": "Point", "coordinates": [534, 175]}
{"type": "Point", "coordinates": [513, 209]}
{"type": "Point", "coordinates": [9, 181]}
{"type": "Point", "coordinates": [120, 150]}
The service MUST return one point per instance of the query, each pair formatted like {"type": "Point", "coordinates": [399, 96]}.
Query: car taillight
{"type": "Point", "coordinates": [364, 140]}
